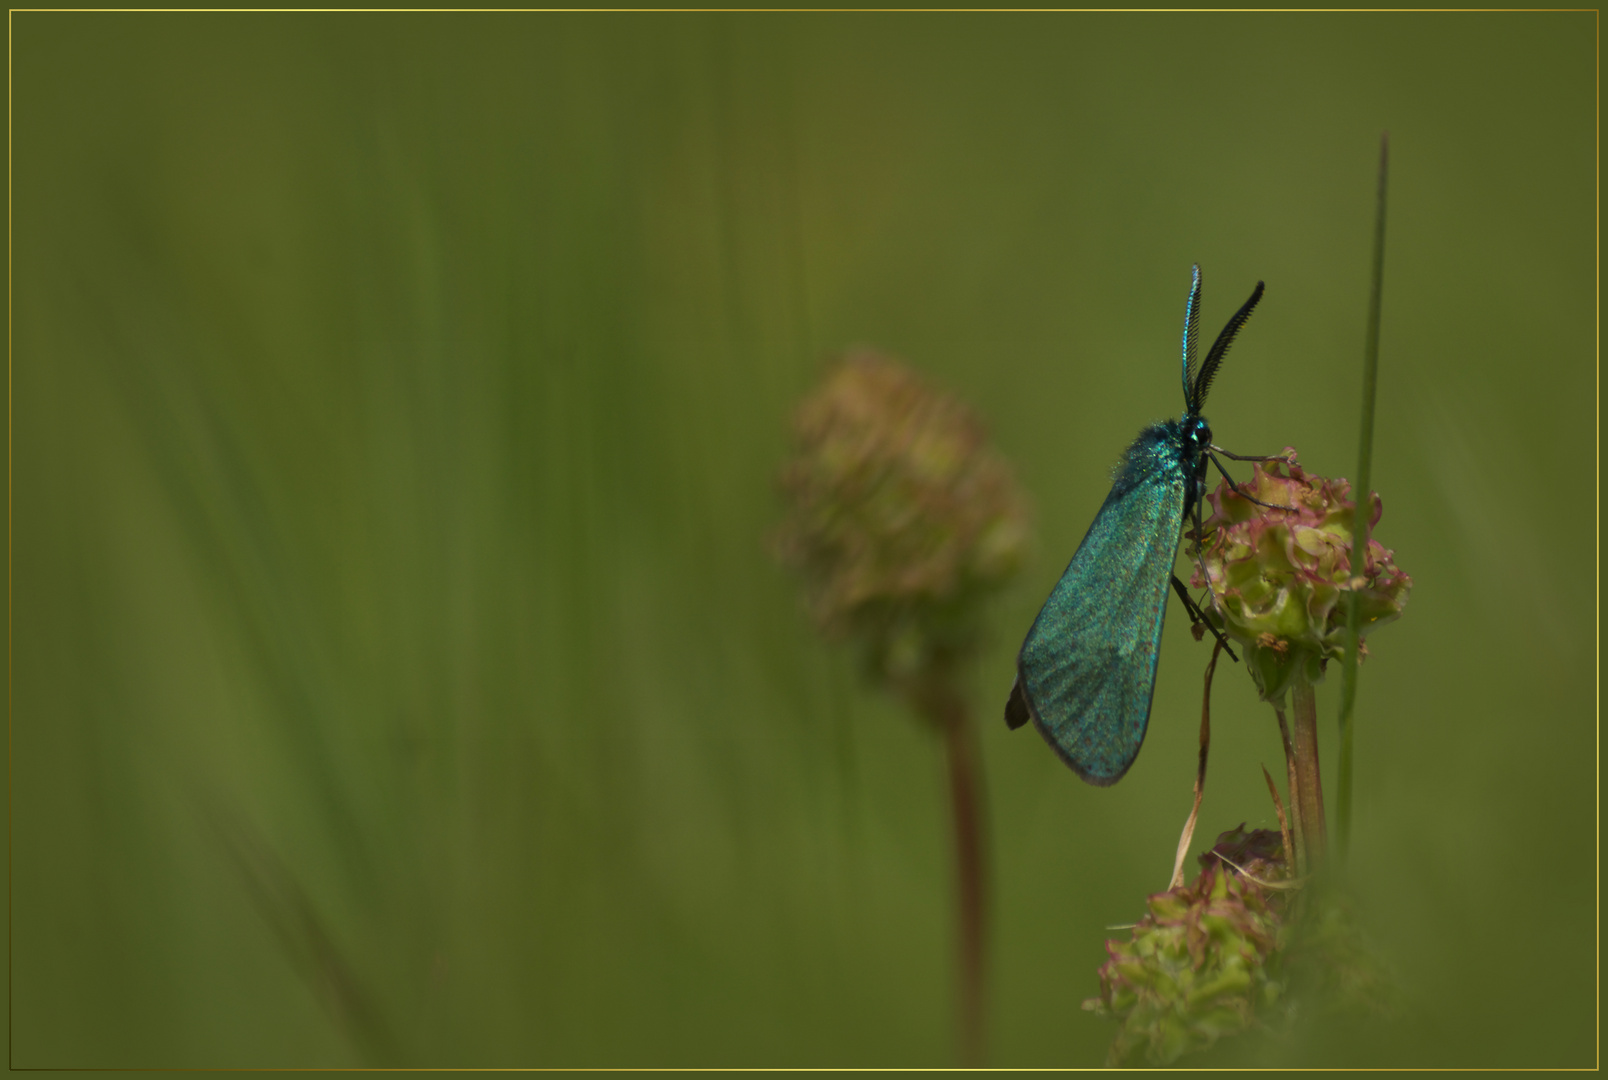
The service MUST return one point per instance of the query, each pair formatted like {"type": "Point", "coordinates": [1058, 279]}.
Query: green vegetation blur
{"type": "Point", "coordinates": [400, 675]}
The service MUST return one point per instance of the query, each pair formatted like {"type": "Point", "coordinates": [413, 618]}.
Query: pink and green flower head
{"type": "Point", "coordinates": [1279, 577]}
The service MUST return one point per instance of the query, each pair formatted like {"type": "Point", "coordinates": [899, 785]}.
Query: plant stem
{"type": "Point", "coordinates": [1364, 501]}
{"type": "Point", "coordinates": [965, 795]}
{"type": "Point", "coordinates": [1306, 782]}
{"type": "Point", "coordinates": [1298, 858]}
{"type": "Point", "coordinates": [1308, 788]}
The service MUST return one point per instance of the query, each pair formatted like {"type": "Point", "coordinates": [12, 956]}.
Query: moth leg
{"type": "Point", "coordinates": [1197, 617]}
{"type": "Point", "coordinates": [1235, 483]}
{"type": "Point", "coordinates": [1200, 561]}
{"type": "Point", "coordinates": [1247, 457]}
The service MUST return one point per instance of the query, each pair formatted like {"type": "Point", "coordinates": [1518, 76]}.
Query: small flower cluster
{"type": "Point", "coordinates": [1279, 575]}
{"type": "Point", "coordinates": [1205, 961]}
{"type": "Point", "coordinates": [901, 515]}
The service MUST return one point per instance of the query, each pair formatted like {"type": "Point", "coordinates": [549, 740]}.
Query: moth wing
{"type": "Point", "coordinates": [1087, 668]}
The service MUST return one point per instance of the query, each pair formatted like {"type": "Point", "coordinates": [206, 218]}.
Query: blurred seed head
{"type": "Point", "coordinates": [1232, 951]}
{"type": "Point", "coordinates": [1281, 577]}
{"type": "Point", "coordinates": [1205, 962]}
{"type": "Point", "coordinates": [901, 516]}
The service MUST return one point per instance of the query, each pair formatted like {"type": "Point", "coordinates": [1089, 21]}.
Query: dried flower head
{"type": "Point", "coordinates": [901, 515]}
{"type": "Point", "coordinates": [1240, 947]}
{"type": "Point", "coordinates": [1205, 961]}
{"type": "Point", "coordinates": [1280, 575]}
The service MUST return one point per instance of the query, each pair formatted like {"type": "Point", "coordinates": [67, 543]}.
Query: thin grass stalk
{"type": "Point", "coordinates": [1188, 835]}
{"type": "Point", "coordinates": [1284, 823]}
{"type": "Point", "coordinates": [1359, 531]}
{"type": "Point", "coordinates": [1297, 857]}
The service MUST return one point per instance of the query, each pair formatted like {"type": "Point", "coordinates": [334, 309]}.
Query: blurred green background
{"type": "Point", "coordinates": [399, 673]}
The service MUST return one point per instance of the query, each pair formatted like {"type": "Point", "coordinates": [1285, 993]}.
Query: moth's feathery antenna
{"type": "Point", "coordinates": [1191, 335]}
{"type": "Point", "coordinates": [1208, 369]}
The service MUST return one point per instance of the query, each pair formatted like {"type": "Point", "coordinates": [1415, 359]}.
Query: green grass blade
{"type": "Point", "coordinates": [1370, 383]}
